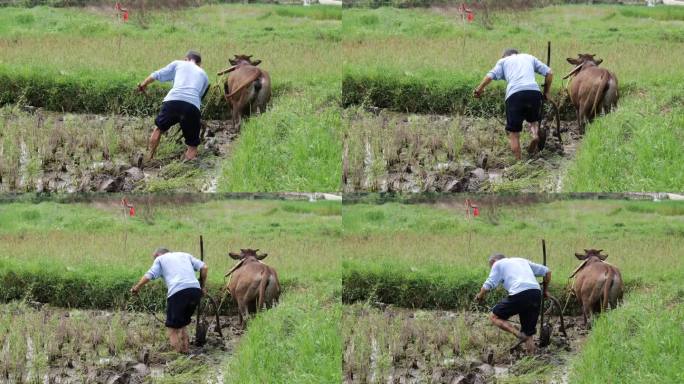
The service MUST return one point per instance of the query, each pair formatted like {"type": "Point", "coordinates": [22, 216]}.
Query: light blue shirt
{"type": "Point", "coordinates": [189, 81]}
{"type": "Point", "coordinates": [518, 71]}
{"type": "Point", "coordinates": [516, 275]}
{"type": "Point", "coordinates": [177, 269]}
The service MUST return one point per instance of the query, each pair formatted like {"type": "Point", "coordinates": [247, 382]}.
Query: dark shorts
{"type": "Point", "coordinates": [180, 307]}
{"type": "Point", "coordinates": [526, 305]}
{"type": "Point", "coordinates": [176, 111]}
{"type": "Point", "coordinates": [523, 105]}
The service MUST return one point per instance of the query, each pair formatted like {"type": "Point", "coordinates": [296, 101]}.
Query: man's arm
{"type": "Point", "coordinates": [481, 295]}
{"type": "Point", "coordinates": [136, 288]}
{"type": "Point", "coordinates": [545, 284]}
{"type": "Point", "coordinates": [206, 89]}
{"type": "Point", "coordinates": [493, 280]}
{"type": "Point", "coordinates": [153, 273]}
{"type": "Point", "coordinates": [480, 88]}
{"type": "Point", "coordinates": [142, 86]}
{"type": "Point", "coordinates": [547, 84]}
{"type": "Point", "coordinates": [167, 73]}
{"type": "Point", "coordinates": [203, 278]}
{"type": "Point", "coordinates": [545, 71]}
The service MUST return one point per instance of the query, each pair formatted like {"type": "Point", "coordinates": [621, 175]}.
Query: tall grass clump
{"type": "Point", "coordinates": [294, 147]}
{"type": "Point", "coordinates": [302, 340]}
{"type": "Point", "coordinates": [641, 342]}
{"type": "Point", "coordinates": [639, 147]}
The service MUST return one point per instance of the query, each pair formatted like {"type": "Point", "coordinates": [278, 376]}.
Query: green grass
{"type": "Point", "coordinates": [640, 343]}
{"type": "Point", "coordinates": [638, 148]}
{"type": "Point", "coordinates": [295, 147]}
{"type": "Point", "coordinates": [303, 325]}
{"type": "Point", "coordinates": [298, 46]}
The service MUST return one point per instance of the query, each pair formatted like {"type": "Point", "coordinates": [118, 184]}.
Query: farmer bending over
{"type": "Point", "coordinates": [182, 103]}
{"type": "Point", "coordinates": [524, 294]}
{"type": "Point", "coordinates": [523, 98]}
{"type": "Point", "coordinates": [184, 291]}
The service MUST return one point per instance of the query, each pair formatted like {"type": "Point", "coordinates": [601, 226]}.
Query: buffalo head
{"type": "Point", "coordinates": [247, 254]}
{"type": "Point", "coordinates": [583, 60]}
{"type": "Point", "coordinates": [590, 253]}
{"type": "Point", "coordinates": [243, 59]}
{"type": "Point", "coordinates": [237, 61]}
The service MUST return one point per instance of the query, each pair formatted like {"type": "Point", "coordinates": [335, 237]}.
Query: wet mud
{"type": "Point", "coordinates": [394, 152]}
{"type": "Point", "coordinates": [78, 346]}
{"type": "Point", "coordinates": [96, 153]}
{"type": "Point", "coordinates": [444, 347]}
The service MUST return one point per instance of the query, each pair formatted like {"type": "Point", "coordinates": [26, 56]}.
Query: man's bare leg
{"type": "Point", "coordinates": [505, 325]}
{"type": "Point", "coordinates": [508, 327]}
{"type": "Point", "coordinates": [514, 139]}
{"type": "Point", "coordinates": [185, 340]}
{"type": "Point", "coordinates": [174, 339]}
{"type": "Point", "coordinates": [530, 347]}
{"type": "Point", "coordinates": [190, 153]}
{"type": "Point", "coordinates": [534, 144]}
{"type": "Point", "coordinates": [154, 142]}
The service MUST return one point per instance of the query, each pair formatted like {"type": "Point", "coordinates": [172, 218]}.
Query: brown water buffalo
{"type": "Point", "coordinates": [592, 90]}
{"type": "Point", "coordinates": [597, 284]}
{"type": "Point", "coordinates": [253, 284]}
{"type": "Point", "coordinates": [247, 89]}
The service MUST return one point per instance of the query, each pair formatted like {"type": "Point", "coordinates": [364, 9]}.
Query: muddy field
{"type": "Point", "coordinates": [395, 152]}
{"type": "Point", "coordinates": [45, 344]}
{"type": "Point", "coordinates": [50, 152]}
{"type": "Point", "coordinates": [386, 344]}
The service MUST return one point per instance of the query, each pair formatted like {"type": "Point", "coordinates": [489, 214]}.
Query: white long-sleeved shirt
{"type": "Point", "coordinates": [516, 274]}
{"type": "Point", "coordinates": [189, 81]}
{"type": "Point", "coordinates": [518, 70]}
{"type": "Point", "coordinates": [177, 269]}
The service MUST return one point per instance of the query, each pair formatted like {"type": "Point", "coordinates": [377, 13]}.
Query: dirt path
{"type": "Point", "coordinates": [398, 152]}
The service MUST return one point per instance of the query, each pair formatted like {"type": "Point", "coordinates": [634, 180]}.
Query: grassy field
{"type": "Point", "coordinates": [427, 61]}
{"type": "Point", "coordinates": [424, 255]}
{"type": "Point", "coordinates": [52, 250]}
{"type": "Point", "coordinates": [298, 46]}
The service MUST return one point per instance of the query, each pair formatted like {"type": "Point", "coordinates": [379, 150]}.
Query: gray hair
{"type": "Point", "coordinates": [194, 55]}
{"type": "Point", "coordinates": [161, 251]}
{"type": "Point", "coordinates": [496, 257]}
{"type": "Point", "coordinates": [509, 51]}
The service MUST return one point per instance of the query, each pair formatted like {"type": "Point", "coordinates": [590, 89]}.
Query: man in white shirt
{"type": "Point", "coordinates": [523, 98]}
{"type": "Point", "coordinates": [518, 277]}
{"type": "Point", "coordinates": [182, 104]}
{"type": "Point", "coordinates": [183, 291]}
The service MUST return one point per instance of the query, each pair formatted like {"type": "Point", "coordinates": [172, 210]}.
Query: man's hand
{"type": "Point", "coordinates": [545, 96]}
{"type": "Point", "coordinates": [204, 291]}
{"type": "Point", "coordinates": [546, 294]}
{"type": "Point", "coordinates": [135, 290]}
{"type": "Point", "coordinates": [477, 92]}
{"type": "Point", "coordinates": [142, 87]}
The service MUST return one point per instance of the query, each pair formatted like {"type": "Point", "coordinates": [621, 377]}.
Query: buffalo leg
{"type": "Point", "coordinates": [236, 116]}
{"type": "Point", "coordinates": [242, 309]}
{"type": "Point", "coordinates": [514, 141]}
